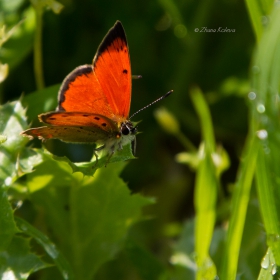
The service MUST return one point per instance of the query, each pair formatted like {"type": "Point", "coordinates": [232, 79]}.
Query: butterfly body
{"type": "Point", "coordinates": [94, 100]}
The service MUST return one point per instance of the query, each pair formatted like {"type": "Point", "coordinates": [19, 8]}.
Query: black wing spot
{"type": "Point", "coordinates": [52, 118]}
{"type": "Point", "coordinates": [124, 71]}
{"type": "Point", "coordinates": [104, 124]}
{"type": "Point", "coordinates": [85, 115]}
{"type": "Point", "coordinates": [96, 118]}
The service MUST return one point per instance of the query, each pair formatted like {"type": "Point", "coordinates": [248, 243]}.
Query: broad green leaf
{"type": "Point", "coordinates": [49, 247]}
{"type": "Point", "coordinates": [17, 262]}
{"type": "Point", "coordinates": [148, 267]}
{"type": "Point", "coordinates": [12, 122]}
{"type": "Point", "coordinates": [88, 216]}
{"type": "Point", "coordinates": [7, 224]}
{"type": "Point", "coordinates": [88, 168]}
{"type": "Point", "coordinates": [29, 158]}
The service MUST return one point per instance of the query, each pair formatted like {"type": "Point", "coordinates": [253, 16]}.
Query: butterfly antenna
{"type": "Point", "coordinates": [164, 96]}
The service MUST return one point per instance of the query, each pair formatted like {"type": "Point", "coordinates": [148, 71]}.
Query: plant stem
{"type": "Point", "coordinates": [38, 60]}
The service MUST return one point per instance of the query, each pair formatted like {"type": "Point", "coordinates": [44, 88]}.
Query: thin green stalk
{"type": "Point", "coordinates": [241, 198]}
{"type": "Point", "coordinates": [265, 81]}
{"type": "Point", "coordinates": [206, 188]}
{"type": "Point", "coordinates": [265, 187]}
{"type": "Point", "coordinates": [258, 11]}
{"type": "Point", "coordinates": [38, 60]}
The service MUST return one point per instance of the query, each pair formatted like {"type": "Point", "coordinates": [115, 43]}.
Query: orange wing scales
{"type": "Point", "coordinates": [105, 87]}
{"type": "Point", "coordinates": [113, 70]}
{"type": "Point", "coordinates": [78, 119]}
{"type": "Point", "coordinates": [81, 92]}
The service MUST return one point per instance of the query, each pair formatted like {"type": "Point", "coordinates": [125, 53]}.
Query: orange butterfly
{"type": "Point", "coordinates": [94, 100]}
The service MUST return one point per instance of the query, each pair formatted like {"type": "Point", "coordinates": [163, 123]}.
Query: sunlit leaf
{"type": "Point", "coordinates": [17, 262]}
{"type": "Point", "coordinates": [12, 122]}
{"type": "Point", "coordinates": [7, 224]}
{"type": "Point", "coordinates": [49, 247]}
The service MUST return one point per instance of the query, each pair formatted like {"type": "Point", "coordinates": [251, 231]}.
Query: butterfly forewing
{"type": "Point", "coordinates": [81, 92]}
{"type": "Point", "coordinates": [113, 71]}
{"type": "Point", "coordinates": [103, 88]}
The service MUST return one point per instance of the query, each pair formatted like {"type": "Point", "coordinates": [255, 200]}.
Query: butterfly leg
{"type": "Point", "coordinates": [96, 155]}
{"type": "Point", "coordinates": [109, 157]}
{"type": "Point", "coordinates": [120, 146]}
{"type": "Point", "coordinates": [112, 151]}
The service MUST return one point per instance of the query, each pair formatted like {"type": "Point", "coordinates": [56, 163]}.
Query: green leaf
{"type": "Point", "coordinates": [93, 214]}
{"type": "Point", "coordinates": [49, 247]}
{"type": "Point", "coordinates": [17, 262]}
{"type": "Point", "coordinates": [148, 267]}
{"type": "Point", "coordinates": [29, 158]}
{"type": "Point", "coordinates": [265, 124]}
{"type": "Point", "coordinates": [11, 124]}
{"type": "Point", "coordinates": [269, 267]}
{"type": "Point", "coordinates": [239, 207]}
{"type": "Point", "coordinates": [7, 224]}
{"type": "Point", "coordinates": [259, 11]}
{"type": "Point", "coordinates": [89, 168]}
{"type": "Point", "coordinates": [206, 188]}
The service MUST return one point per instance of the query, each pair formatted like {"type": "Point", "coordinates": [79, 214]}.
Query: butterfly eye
{"type": "Point", "coordinates": [125, 130]}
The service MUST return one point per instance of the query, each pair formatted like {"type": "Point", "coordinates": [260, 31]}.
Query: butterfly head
{"type": "Point", "coordinates": [127, 128]}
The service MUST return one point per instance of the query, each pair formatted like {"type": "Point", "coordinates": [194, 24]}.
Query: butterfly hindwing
{"type": "Point", "coordinates": [78, 119]}
{"type": "Point", "coordinates": [72, 134]}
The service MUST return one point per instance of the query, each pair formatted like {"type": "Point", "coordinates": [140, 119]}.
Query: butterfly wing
{"type": "Point", "coordinates": [74, 127]}
{"type": "Point", "coordinates": [78, 119]}
{"type": "Point", "coordinates": [103, 88]}
{"type": "Point", "coordinates": [72, 134]}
